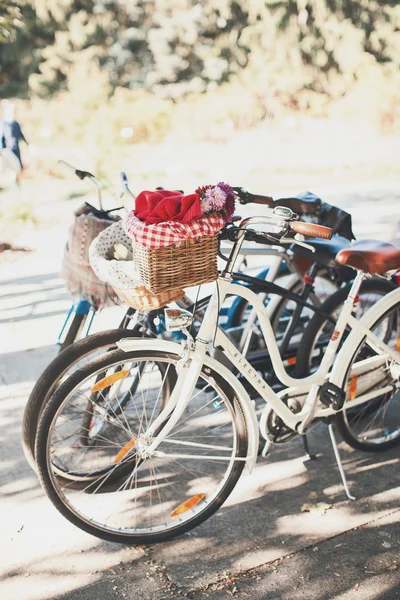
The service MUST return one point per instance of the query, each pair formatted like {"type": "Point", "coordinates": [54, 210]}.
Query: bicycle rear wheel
{"type": "Point", "coordinates": [324, 287]}
{"type": "Point", "coordinates": [74, 330]}
{"type": "Point", "coordinates": [374, 425]}
{"type": "Point", "coordinates": [320, 328]}
{"type": "Point", "coordinates": [63, 365]}
{"type": "Point", "coordinates": [132, 497]}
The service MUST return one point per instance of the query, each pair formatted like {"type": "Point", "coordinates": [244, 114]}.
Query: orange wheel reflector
{"type": "Point", "coordinates": [187, 505]}
{"type": "Point", "coordinates": [291, 360]}
{"type": "Point", "coordinates": [353, 387]}
{"type": "Point", "coordinates": [109, 380]}
{"type": "Point", "coordinates": [397, 346]}
{"type": "Point", "coordinates": [124, 451]}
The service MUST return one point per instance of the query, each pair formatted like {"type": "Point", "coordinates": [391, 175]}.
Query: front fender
{"type": "Point", "coordinates": [247, 405]}
{"type": "Point", "coordinates": [131, 345]}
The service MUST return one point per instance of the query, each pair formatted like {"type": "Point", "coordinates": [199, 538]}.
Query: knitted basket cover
{"type": "Point", "coordinates": [118, 273]}
{"type": "Point", "coordinates": [80, 279]}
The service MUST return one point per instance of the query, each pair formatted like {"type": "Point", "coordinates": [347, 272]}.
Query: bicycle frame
{"type": "Point", "coordinates": [194, 357]}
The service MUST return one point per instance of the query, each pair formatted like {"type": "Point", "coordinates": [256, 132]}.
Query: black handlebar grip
{"type": "Point", "coordinates": [82, 174]}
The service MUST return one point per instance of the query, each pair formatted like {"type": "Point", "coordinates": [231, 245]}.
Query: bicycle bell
{"type": "Point", "coordinates": [283, 212]}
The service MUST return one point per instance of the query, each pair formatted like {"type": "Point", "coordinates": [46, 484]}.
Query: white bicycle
{"type": "Point", "coordinates": [171, 456]}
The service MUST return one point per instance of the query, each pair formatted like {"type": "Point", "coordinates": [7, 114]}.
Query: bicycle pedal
{"type": "Point", "coordinates": [332, 395]}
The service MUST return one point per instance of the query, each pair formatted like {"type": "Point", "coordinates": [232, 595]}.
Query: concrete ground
{"type": "Point", "coordinates": [287, 532]}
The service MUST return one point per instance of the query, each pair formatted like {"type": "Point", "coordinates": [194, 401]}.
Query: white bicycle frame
{"type": "Point", "coordinates": [193, 357]}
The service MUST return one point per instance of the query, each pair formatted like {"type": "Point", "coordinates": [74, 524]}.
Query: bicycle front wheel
{"type": "Point", "coordinates": [374, 425]}
{"type": "Point", "coordinates": [134, 495]}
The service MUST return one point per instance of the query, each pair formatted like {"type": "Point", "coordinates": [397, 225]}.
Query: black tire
{"type": "Point", "coordinates": [319, 330]}
{"type": "Point", "coordinates": [51, 377]}
{"type": "Point", "coordinates": [375, 425]}
{"type": "Point", "coordinates": [74, 330]}
{"type": "Point", "coordinates": [161, 525]}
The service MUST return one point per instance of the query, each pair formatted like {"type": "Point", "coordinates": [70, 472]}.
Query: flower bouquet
{"type": "Point", "coordinates": [175, 236]}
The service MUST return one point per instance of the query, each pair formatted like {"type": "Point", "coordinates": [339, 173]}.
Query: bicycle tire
{"type": "Point", "coordinates": [377, 413]}
{"type": "Point", "coordinates": [331, 306]}
{"type": "Point", "coordinates": [52, 375]}
{"type": "Point", "coordinates": [63, 498]}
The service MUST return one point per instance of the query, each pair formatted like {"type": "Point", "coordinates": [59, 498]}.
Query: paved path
{"type": "Point", "coordinates": [262, 544]}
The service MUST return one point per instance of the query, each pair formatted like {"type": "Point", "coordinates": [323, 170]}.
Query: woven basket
{"type": "Point", "coordinates": [141, 299]}
{"type": "Point", "coordinates": [122, 275]}
{"type": "Point", "coordinates": [192, 263]}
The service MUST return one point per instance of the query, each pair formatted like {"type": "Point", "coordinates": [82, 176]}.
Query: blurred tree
{"type": "Point", "coordinates": [22, 36]}
{"type": "Point", "coordinates": [182, 46]}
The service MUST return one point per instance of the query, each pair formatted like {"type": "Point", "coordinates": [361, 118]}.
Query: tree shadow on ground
{"type": "Point", "coordinates": [263, 523]}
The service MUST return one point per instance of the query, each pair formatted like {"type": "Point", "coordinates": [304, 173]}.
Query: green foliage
{"type": "Point", "coordinates": [183, 47]}
{"type": "Point", "coordinates": [10, 20]}
{"type": "Point", "coordinates": [107, 65]}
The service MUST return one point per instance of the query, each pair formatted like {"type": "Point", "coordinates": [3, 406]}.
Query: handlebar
{"type": "Point", "coordinates": [85, 175]}
{"type": "Point", "coordinates": [246, 197]}
{"type": "Point", "coordinates": [301, 206]}
{"type": "Point", "coordinates": [282, 220]}
{"type": "Point", "coordinates": [125, 186]}
{"type": "Point", "coordinates": [311, 230]}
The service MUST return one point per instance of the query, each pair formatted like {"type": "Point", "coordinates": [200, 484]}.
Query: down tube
{"type": "Point", "coordinates": [316, 378]}
{"type": "Point", "coordinates": [265, 391]}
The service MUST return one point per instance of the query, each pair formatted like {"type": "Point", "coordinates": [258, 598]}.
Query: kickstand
{"type": "Point", "coordinates": [339, 462]}
{"type": "Point", "coordinates": [307, 452]}
{"type": "Point", "coordinates": [267, 449]}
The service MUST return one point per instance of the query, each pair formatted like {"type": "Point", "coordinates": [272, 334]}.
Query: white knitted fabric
{"type": "Point", "coordinates": [118, 273]}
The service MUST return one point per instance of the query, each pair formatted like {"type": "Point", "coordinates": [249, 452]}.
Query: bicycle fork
{"type": "Point", "coordinates": [189, 368]}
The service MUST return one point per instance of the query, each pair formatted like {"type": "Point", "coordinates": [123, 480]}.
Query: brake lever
{"type": "Point", "coordinates": [294, 241]}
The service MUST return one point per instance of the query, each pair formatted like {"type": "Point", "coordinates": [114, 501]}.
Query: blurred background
{"type": "Point", "coordinates": [276, 96]}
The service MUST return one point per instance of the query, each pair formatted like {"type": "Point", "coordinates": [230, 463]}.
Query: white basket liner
{"type": "Point", "coordinates": [118, 273]}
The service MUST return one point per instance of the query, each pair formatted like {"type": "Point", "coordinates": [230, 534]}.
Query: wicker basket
{"type": "Point", "coordinates": [192, 263]}
{"type": "Point", "coordinates": [142, 299]}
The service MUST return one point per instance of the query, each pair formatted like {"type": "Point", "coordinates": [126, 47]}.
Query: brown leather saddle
{"type": "Point", "coordinates": [370, 256]}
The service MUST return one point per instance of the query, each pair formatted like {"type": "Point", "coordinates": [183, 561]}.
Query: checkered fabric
{"type": "Point", "coordinates": [170, 233]}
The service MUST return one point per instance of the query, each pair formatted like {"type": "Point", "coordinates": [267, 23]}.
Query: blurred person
{"type": "Point", "coordinates": [11, 134]}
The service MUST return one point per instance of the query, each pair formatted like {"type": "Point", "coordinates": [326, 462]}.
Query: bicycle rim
{"type": "Point", "coordinates": [375, 424]}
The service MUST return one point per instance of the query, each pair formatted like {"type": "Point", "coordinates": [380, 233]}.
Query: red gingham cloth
{"type": "Point", "coordinates": [170, 233]}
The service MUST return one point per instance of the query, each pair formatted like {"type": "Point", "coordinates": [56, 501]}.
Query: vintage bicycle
{"type": "Point", "coordinates": [172, 456]}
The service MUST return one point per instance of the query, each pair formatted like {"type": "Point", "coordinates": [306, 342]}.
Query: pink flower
{"type": "Point", "coordinates": [219, 198]}
{"type": "Point", "coordinates": [216, 197]}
